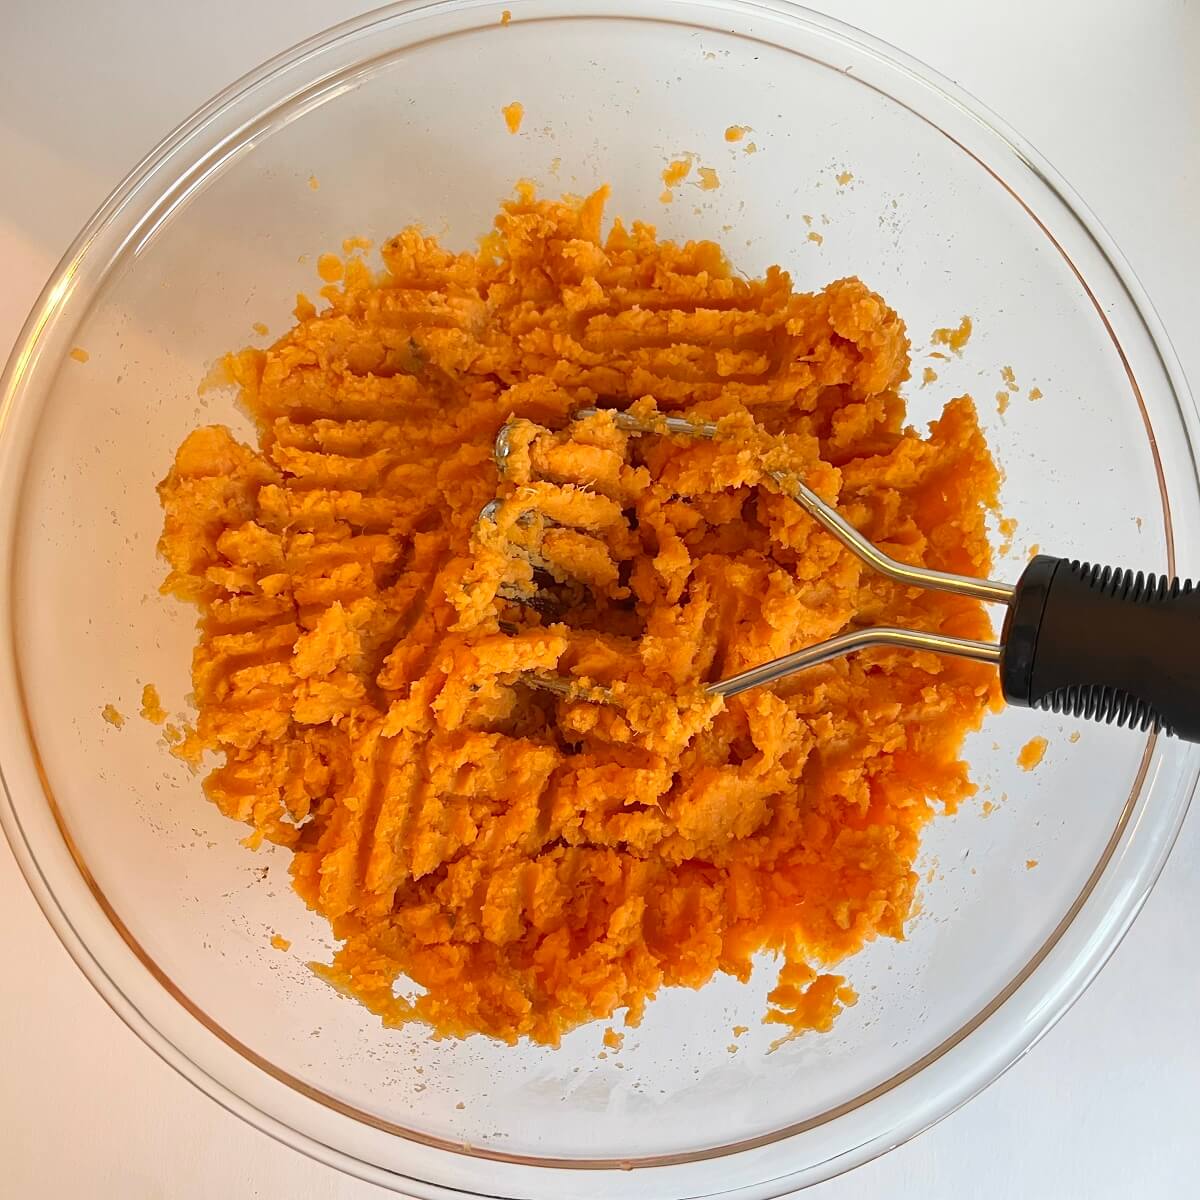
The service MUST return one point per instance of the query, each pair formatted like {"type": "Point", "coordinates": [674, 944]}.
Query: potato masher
{"type": "Point", "coordinates": [1097, 642]}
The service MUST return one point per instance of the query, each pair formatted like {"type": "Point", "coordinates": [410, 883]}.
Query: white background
{"type": "Point", "coordinates": [1106, 1105]}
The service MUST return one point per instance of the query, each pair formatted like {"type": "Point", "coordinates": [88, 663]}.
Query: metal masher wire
{"type": "Point", "coordinates": [988, 590]}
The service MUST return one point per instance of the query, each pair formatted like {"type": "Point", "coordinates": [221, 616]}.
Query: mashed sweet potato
{"type": "Point", "coordinates": [496, 858]}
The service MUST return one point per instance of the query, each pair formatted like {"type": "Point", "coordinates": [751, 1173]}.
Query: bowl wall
{"type": "Point", "coordinates": [400, 122]}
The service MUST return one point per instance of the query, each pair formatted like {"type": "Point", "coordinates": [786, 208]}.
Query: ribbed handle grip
{"type": "Point", "coordinates": [1105, 644]}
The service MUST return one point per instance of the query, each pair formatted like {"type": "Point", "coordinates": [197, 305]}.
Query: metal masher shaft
{"type": "Point", "coordinates": [792, 664]}
{"type": "Point", "coordinates": [847, 643]}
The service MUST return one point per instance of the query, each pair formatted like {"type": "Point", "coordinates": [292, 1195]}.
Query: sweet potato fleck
{"type": "Point", "coordinates": [514, 114]}
{"type": "Point", "coordinates": [1032, 753]}
{"type": "Point", "coordinates": [676, 171]}
{"type": "Point", "coordinates": [152, 709]}
{"type": "Point", "coordinates": [955, 339]}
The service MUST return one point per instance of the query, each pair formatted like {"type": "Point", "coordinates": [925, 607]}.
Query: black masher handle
{"type": "Point", "coordinates": [1105, 644]}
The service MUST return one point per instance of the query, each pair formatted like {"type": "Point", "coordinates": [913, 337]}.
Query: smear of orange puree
{"type": "Point", "coordinates": [330, 268]}
{"type": "Point", "coordinates": [497, 859]}
{"type": "Point", "coordinates": [676, 171]}
{"type": "Point", "coordinates": [956, 339]}
{"type": "Point", "coordinates": [1032, 753]}
{"type": "Point", "coordinates": [514, 114]}
{"type": "Point", "coordinates": [152, 709]}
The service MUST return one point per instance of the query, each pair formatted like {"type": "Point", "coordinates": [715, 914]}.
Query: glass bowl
{"type": "Point", "coordinates": [396, 118]}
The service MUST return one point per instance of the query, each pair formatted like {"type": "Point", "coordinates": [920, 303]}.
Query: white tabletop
{"type": "Point", "coordinates": [1105, 1106]}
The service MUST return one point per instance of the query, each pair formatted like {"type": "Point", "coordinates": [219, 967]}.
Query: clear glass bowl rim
{"type": "Point", "coordinates": [100, 242]}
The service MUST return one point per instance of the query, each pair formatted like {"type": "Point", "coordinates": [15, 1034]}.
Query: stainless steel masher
{"type": "Point", "coordinates": [1091, 641]}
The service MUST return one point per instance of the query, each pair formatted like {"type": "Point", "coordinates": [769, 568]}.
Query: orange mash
{"type": "Point", "coordinates": [492, 857]}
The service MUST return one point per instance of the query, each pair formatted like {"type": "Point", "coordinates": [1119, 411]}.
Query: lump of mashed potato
{"type": "Point", "coordinates": [494, 858]}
